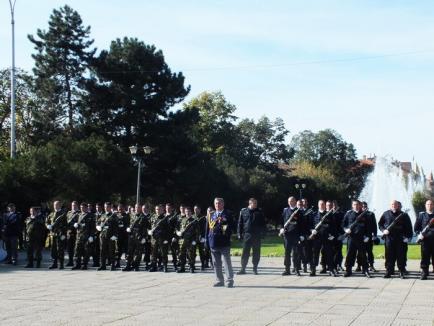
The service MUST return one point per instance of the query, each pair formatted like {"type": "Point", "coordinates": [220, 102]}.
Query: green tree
{"type": "Point", "coordinates": [131, 89]}
{"type": "Point", "coordinates": [418, 201]}
{"type": "Point", "coordinates": [61, 61]}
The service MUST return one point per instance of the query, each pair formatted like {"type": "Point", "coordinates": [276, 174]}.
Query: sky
{"type": "Point", "coordinates": [364, 68]}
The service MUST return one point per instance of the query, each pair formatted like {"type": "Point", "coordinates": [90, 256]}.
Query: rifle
{"type": "Point", "coordinates": [332, 211]}
{"type": "Point", "coordinates": [57, 221]}
{"type": "Point", "coordinates": [425, 229]}
{"type": "Point", "coordinates": [151, 231]}
{"type": "Point", "coordinates": [391, 225]}
{"type": "Point", "coordinates": [357, 220]}
{"type": "Point", "coordinates": [290, 219]}
{"type": "Point", "coordinates": [181, 233]}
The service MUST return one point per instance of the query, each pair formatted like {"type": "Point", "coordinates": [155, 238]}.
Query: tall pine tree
{"type": "Point", "coordinates": [63, 55]}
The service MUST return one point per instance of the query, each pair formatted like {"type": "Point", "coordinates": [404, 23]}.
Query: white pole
{"type": "Point", "coordinates": [13, 141]}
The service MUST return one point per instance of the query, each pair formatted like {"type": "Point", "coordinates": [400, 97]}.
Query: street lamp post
{"type": "Point", "coordinates": [300, 188]}
{"type": "Point", "coordinates": [13, 141]}
{"type": "Point", "coordinates": [138, 157]}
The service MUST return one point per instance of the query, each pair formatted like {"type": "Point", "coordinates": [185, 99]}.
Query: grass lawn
{"type": "Point", "coordinates": [272, 246]}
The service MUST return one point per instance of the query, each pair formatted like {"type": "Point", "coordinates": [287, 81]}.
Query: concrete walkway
{"type": "Point", "coordinates": [44, 297]}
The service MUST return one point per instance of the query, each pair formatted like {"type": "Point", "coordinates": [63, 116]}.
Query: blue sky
{"type": "Point", "coordinates": [364, 68]}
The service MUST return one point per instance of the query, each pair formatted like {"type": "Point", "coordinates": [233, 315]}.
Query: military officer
{"type": "Point", "coordinates": [108, 228]}
{"type": "Point", "coordinates": [56, 224]}
{"type": "Point", "coordinates": [160, 233]}
{"type": "Point", "coordinates": [85, 227]}
{"type": "Point", "coordinates": [123, 223]}
{"type": "Point", "coordinates": [71, 234]}
{"type": "Point", "coordinates": [188, 233]}
{"type": "Point", "coordinates": [35, 231]}
{"type": "Point", "coordinates": [137, 234]}
{"type": "Point", "coordinates": [424, 228]}
{"type": "Point", "coordinates": [203, 251]}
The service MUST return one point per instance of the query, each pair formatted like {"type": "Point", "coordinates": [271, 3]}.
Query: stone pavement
{"type": "Point", "coordinates": [44, 297]}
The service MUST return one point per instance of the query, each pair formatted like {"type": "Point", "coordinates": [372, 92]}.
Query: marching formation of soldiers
{"type": "Point", "coordinates": [311, 236]}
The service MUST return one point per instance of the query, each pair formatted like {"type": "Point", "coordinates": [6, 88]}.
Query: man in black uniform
{"type": "Point", "coordinates": [322, 233]}
{"type": "Point", "coordinates": [424, 228]}
{"type": "Point", "coordinates": [292, 231]}
{"type": "Point", "coordinates": [356, 227]}
{"type": "Point", "coordinates": [369, 244]}
{"type": "Point", "coordinates": [251, 227]}
{"type": "Point", "coordinates": [203, 251]}
{"type": "Point", "coordinates": [123, 223]}
{"type": "Point", "coordinates": [337, 244]}
{"type": "Point", "coordinates": [396, 235]}
{"type": "Point", "coordinates": [147, 248]}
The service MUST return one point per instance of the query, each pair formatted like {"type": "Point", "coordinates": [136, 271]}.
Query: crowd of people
{"type": "Point", "coordinates": [311, 237]}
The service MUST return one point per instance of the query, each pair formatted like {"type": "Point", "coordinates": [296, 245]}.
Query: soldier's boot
{"type": "Point", "coordinates": [242, 271]}
{"type": "Point", "coordinates": [53, 265]}
{"type": "Point", "coordinates": [255, 270]}
{"type": "Point", "coordinates": [323, 270]}
{"type": "Point", "coordinates": [366, 273]}
{"type": "Point", "coordinates": [136, 266]}
{"type": "Point", "coordinates": [304, 268]}
{"type": "Point", "coordinates": [153, 268]}
{"type": "Point", "coordinates": [118, 263]}
{"type": "Point", "coordinates": [127, 268]}
{"type": "Point", "coordinates": [312, 271]}
{"type": "Point", "coordinates": [38, 264]}
{"type": "Point", "coordinates": [29, 264]}
{"type": "Point", "coordinates": [175, 266]}
{"type": "Point", "coordinates": [286, 272]}
{"type": "Point", "coordinates": [113, 267]}
{"type": "Point", "coordinates": [61, 266]}
{"type": "Point", "coordinates": [70, 263]}
{"type": "Point", "coordinates": [77, 265]}
{"type": "Point", "coordinates": [402, 274]}
{"type": "Point", "coordinates": [372, 268]}
{"type": "Point", "coordinates": [388, 274]}
{"type": "Point", "coordinates": [348, 272]}
{"type": "Point", "coordinates": [84, 267]}
{"type": "Point", "coordinates": [192, 268]}
{"type": "Point", "coordinates": [165, 270]}
{"type": "Point", "coordinates": [424, 274]}
{"type": "Point", "coordinates": [181, 269]}
{"type": "Point", "coordinates": [202, 265]}
{"type": "Point", "coordinates": [102, 267]}
{"type": "Point", "coordinates": [297, 272]}
{"type": "Point", "coordinates": [147, 266]}
{"type": "Point", "coordinates": [359, 268]}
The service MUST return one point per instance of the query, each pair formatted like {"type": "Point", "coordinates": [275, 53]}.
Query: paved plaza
{"type": "Point", "coordinates": [53, 297]}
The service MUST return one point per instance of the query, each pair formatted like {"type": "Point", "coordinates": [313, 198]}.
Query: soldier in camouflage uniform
{"type": "Point", "coordinates": [71, 234]}
{"type": "Point", "coordinates": [56, 223]}
{"type": "Point", "coordinates": [123, 223]}
{"type": "Point", "coordinates": [85, 227]}
{"type": "Point", "coordinates": [160, 233]}
{"type": "Point", "coordinates": [203, 251]}
{"type": "Point", "coordinates": [35, 232]}
{"type": "Point", "coordinates": [108, 228]}
{"type": "Point", "coordinates": [96, 245]}
{"type": "Point", "coordinates": [138, 232]}
{"type": "Point", "coordinates": [147, 246]}
{"type": "Point", "coordinates": [173, 239]}
{"type": "Point", "coordinates": [188, 233]}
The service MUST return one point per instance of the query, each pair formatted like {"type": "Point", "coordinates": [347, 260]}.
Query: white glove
{"type": "Point", "coordinates": [128, 230]}
{"type": "Point", "coordinates": [165, 242]}
{"type": "Point", "coordinates": [150, 232]}
{"type": "Point", "coordinates": [347, 231]}
{"type": "Point", "coordinates": [76, 225]}
{"type": "Point", "coordinates": [301, 238]}
{"type": "Point", "coordinates": [90, 239]}
{"type": "Point", "coordinates": [331, 237]}
{"type": "Point", "coordinates": [98, 227]}
{"type": "Point", "coordinates": [114, 238]}
{"type": "Point", "coordinates": [178, 233]}
{"type": "Point", "coordinates": [193, 243]}
{"type": "Point", "coordinates": [405, 240]}
{"type": "Point", "coordinates": [314, 232]}
{"type": "Point", "coordinates": [202, 240]}
{"type": "Point", "coordinates": [49, 227]}
{"type": "Point", "coordinates": [62, 237]}
{"type": "Point", "coordinates": [420, 237]}
{"type": "Point", "coordinates": [281, 232]}
{"type": "Point", "coordinates": [366, 239]}
{"type": "Point", "coordinates": [386, 232]}
{"type": "Point", "coordinates": [174, 240]}
{"type": "Point", "coordinates": [143, 241]}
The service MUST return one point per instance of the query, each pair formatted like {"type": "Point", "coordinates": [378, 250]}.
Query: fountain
{"type": "Point", "coordinates": [388, 181]}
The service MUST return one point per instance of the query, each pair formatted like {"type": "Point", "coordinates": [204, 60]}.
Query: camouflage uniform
{"type": "Point", "coordinates": [35, 233]}
{"type": "Point", "coordinates": [85, 232]}
{"type": "Point", "coordinates": [71, 235]}
{"type": "Point", "coordinates": [108, 239]}
{"type": "Point", "coordinates": [136, 240]}
{"type": "Point", "coordinates": [56, 221]}
{"type": "Point", "coordinates": [160, 240]}
{"type": "Point", "coordinates": [188, 234]}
